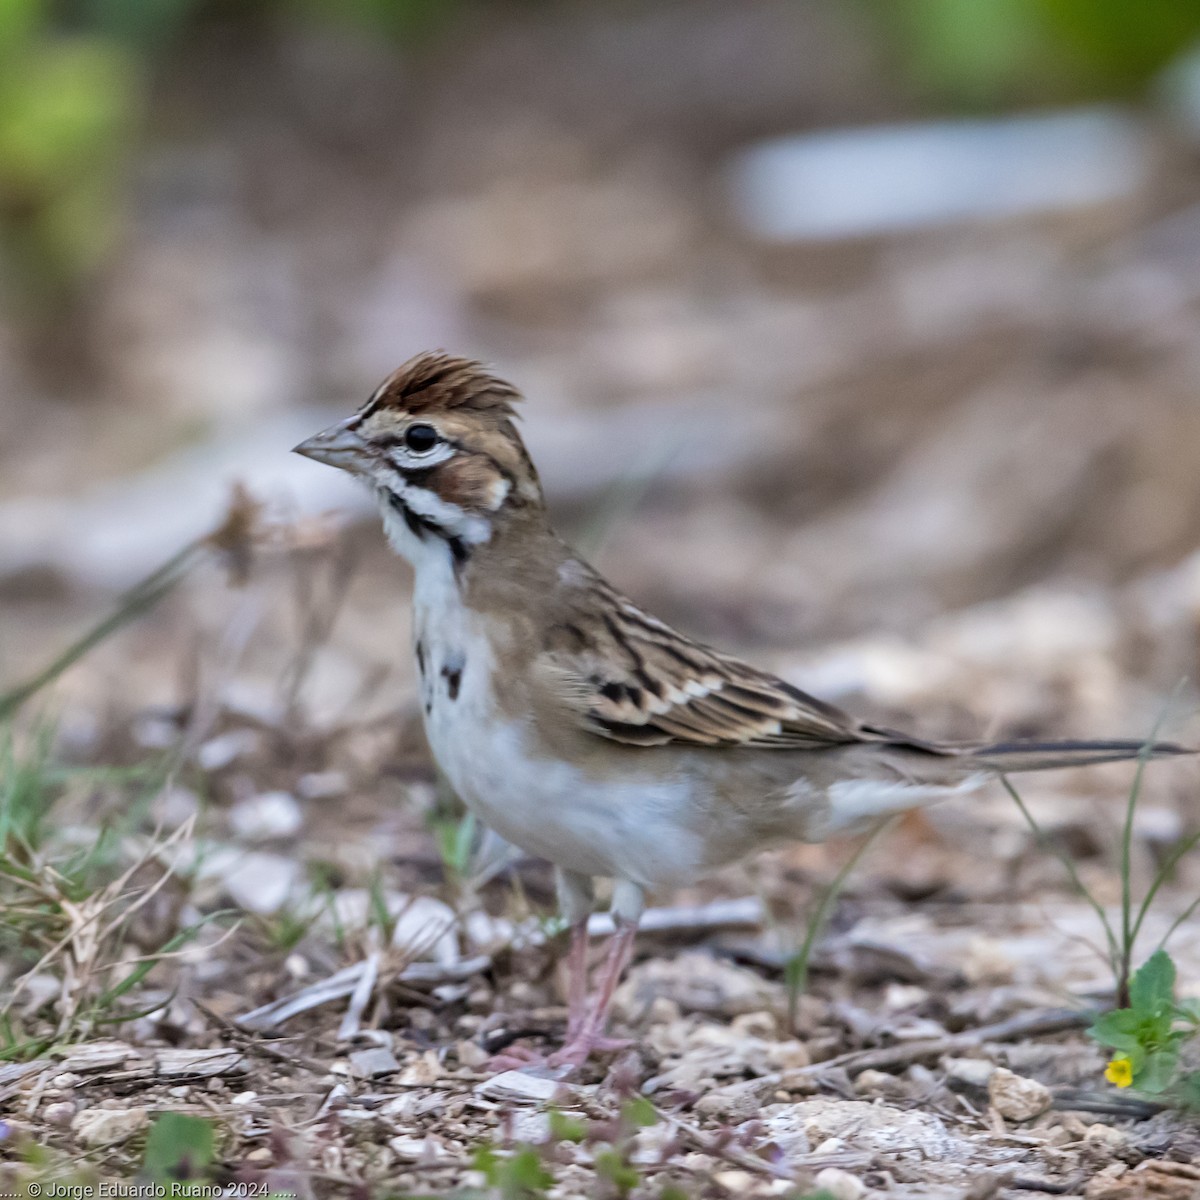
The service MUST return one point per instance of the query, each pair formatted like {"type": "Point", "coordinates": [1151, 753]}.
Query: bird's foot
{"type": "Point", "coordinates": [517, 1057]}
{"type": "Point", "coordinates": [559, 1064]}
{"type": "Point", "coordinates": [581, 1047]}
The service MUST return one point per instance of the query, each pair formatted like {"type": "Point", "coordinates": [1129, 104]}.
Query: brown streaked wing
{"type": "Point", "coordinates": [633, 679]}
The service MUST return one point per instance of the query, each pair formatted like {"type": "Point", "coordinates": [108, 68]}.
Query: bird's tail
{"type": "Point", "coordinates": [1042, 756]}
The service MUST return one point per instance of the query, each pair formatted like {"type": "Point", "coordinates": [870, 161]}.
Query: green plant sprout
{"type": "Point", "coordinates": [1149, 1034]}
{"type": "Point", "coordinates": [1120, 942]}
{"type": "Point", "coordinates": [795, 968]}
{"type": "Point", "coordinates": [1147, 1028]}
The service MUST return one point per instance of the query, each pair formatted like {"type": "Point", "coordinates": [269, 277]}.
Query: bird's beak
{"type": "Point", "coordinates": [338, 446]}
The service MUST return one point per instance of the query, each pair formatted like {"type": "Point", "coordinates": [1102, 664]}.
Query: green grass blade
{"type": "Point", "coordinates": [1114, 949]}
{"type": "Point", "coordinates": [796, 967]}
{"type": "Point", "coordinates": [142, 597]}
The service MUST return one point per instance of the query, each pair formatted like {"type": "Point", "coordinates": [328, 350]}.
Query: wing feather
{"type": "Point", "coordinates": [635, 680]}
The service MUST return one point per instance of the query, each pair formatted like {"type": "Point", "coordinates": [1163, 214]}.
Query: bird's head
{"type": "Point", "coordinates": [438, 443]}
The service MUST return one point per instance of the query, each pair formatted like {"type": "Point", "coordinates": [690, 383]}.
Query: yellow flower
{"type": "Point", "coordinates": [1119, 1071]}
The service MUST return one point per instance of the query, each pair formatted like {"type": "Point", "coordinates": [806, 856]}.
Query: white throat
{"type": "Point", "coordinates": [427, 535]}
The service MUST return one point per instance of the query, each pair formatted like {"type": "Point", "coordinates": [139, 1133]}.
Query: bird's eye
{"type": "Point", "coordinates": [420, 439]}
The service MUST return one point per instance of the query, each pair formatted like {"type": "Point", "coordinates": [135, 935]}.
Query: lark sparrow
{"type": "Point", "coordinates": [578, 726]}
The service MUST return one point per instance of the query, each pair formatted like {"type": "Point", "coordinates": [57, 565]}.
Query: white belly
{"type": "Point", "coordinates": [630, 827]}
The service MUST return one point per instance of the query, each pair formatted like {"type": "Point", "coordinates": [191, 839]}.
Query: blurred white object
{"type": "Point", "coordinates": [266, 817]}
{"type": "Point", "coordinates": [870, 181]}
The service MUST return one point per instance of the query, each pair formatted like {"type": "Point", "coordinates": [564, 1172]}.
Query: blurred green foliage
{"type": "Point", "coordinates": [74, 78]}
{"type": "Point", "coordinates": [987, 54]}
{"type": "Point", "coordinates": [68, 102]}
{"type": "Point", "coordinates": [75, 74]}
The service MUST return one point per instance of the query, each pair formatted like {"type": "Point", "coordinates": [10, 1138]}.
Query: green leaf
{"type": "Point", "coordinates": [622, 1175]}
{"type": "Point", "coordinates": [640, 1111]}
{"type": "Point", "coordinates": [566, 1129]}
{"type": "Point", "coordinates": [1119, 1029]}
{"type": "Point", "coordinates": [486, 1161]}
{"type": "Point", "coordinates": [18, 20]}
{"type": "Point", "coordinates": [524, 1176]}
{"type": "Point", "coordinates": [178, 1148]}
{"type": "Point", "coordinates": [1152, 989]}
{"type": "Point", "coordinates": [1157, 1071]}
{"type": "Point", "coordinates": [1189, 1010]}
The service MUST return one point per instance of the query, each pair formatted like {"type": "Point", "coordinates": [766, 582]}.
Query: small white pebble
{"type": "Point", "coordinates": [226, 748]}
{"type": "Point", "coordinates": [737, 1182]}
{"type": "Point", "coordinates": [841, 1185]}
{"type": "Point", "coordinates": [60, 1113]}
{"type": "Point", "coordinates": [266, 817]}
{"type": "Point", "coordinates": [1015, 1097]}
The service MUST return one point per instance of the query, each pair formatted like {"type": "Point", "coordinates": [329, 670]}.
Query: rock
{"type": "Point", "coordinates": [205, 1063]}
{"type": "Point", "coordinates": [968, 1074]}
{"type": "Point", "coordinates": [520, 1088]}
{"type": "Point", "coordinates": [531, 1125]}
{"type": "Point", "coordinates": [421, 923]}
{"type": "Point", "coordinates": [470, 1054]}
{"type": "Point", "coordinates": [737, 1183]}
{"type": "Point", "coordinates": [813, 186]}
{"type": "Point", "coordinates": [174, 805]}
{"type": "Point", "coordinates": [322, 785]}
{"type": "Point", "coordinates": [841, 1185]}
{"type": "Point", "coordinates": [426, 1068]}
{"type": "Point", "coordinates": [698, 983]}
{"type": "Point", "coordinates": [1151, 1180]}
{"type": "Point", "coordinates": [1016, 1097]}
{"type": "Point", "coordinates": [875, 1128]}
{"type": "Point", "coordinates": [261, 883]}
{"type": "Point", "coordinates": [735, 1102]}
{"type": "Point", "coordinates": [95, 1056]}
{"type": "Point", "coordinates": [697, 1053]}
{"type": "Point", "coordinates": [415, 1149]}
{"type": "Point", "coordinates": [880, 1083]}
{"type": "Point", "coordinates": [377, 1060]}
{"type": "Point", "coordinates": [61, 1112]}
{"type": "Point", "coordinates": [108, 1126]}
{"type": "Point", "coordinates": [226, 748]}
{"type": "Point", "coordinates": [265, 817]}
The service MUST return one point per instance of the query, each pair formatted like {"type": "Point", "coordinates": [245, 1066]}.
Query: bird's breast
{"type": "Point", "coordinates": [625, 822]}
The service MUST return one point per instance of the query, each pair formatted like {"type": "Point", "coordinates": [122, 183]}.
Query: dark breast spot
{"type": "Point", "coordinates": [421, 656]}
{"type": "Point", "coordinates": [452, 673]}
{"type": "Point", "coordinates": [453, 681]}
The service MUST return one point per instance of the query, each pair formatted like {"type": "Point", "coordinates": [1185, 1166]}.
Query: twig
{"type": "Point", "coordinates": [1052, 1187]}
{"type": "Point", "coordinates": [1134, 1107]}
{"type": "Point", "coordinates": [342, 983]}
{"type": "Point", "coordinates": [744, 912]}
{"type": "Point", "coordinates": [256, 1046]}
{"type": "Point", "coordinates": [359, 998]}
{"type": "Point", "coordinates": [733, 1154]}
{"type": "Point", "coordinates": [1056, 1020]}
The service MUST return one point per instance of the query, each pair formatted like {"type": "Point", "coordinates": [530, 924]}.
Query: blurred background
{"type": "Point", "coordinates": [859, 336]}
{"type": "Point", "coordinates": [835, 318]}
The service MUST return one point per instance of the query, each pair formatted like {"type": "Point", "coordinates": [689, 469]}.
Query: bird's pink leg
{"type": "Point", "coordinates": [590, 1035]}
{"type": "Point", "coordinates": [577, 980]}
